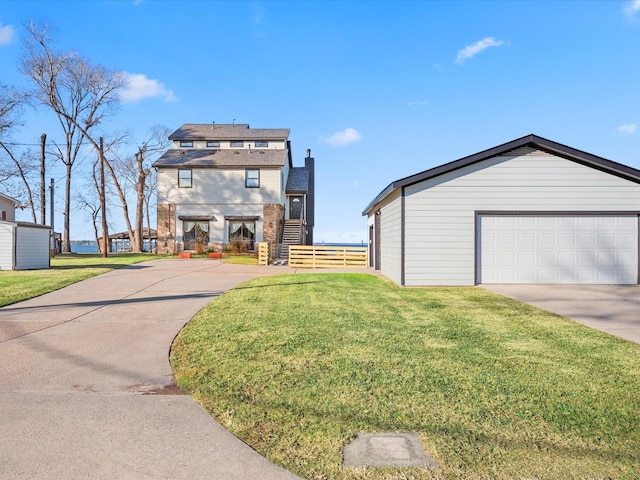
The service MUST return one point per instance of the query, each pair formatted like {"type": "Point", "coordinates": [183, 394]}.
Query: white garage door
{"type": "Point", "coordinates": [562, 249]}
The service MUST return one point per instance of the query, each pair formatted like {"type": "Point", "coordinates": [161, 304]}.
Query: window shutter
{"type": "Point", "coordinates": [3, 215]}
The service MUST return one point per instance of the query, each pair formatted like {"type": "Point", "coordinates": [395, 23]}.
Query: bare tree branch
{"type": "Point", "coordinates": [80, 93]}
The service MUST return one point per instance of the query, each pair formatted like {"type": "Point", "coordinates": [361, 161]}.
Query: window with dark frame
{"type": "Point", "coordinates": [237, 143]}
{"type": "Point", "coordinates": [184, 178]}
{"type": "Point", "coordinates": [262, 143]}
{"type": "Point", "coordinates": [252, 178]}
{"type": "Point", "coordinates": [213, 143]}
{"type": "Point", "coordinates": [186, 143]}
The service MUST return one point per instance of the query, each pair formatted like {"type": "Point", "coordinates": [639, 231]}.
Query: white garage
{"type": "Point", "coordinates": [575, 249]}
{"type": "Point", "coordinates": [527, 211]}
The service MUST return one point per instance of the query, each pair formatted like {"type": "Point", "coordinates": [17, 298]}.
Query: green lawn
{"type": "Point", "coordinates": [296, 365]}
{"type": "Point", "coordinates": [66, 269]}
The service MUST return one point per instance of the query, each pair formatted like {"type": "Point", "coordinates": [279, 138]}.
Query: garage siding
{"type": "Point", "coordinates": [440, 212]}
{"type": "Point", "coordinates": [6, 245]}
{"type": "Point", "coordinates": [391, 238]}
{"type": "Point", "coordinates": [32, 250]}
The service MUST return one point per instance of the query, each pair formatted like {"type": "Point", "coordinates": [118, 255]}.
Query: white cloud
{"type": "Point", "coordinates": [6, 34]}
{"type": "Point", "coordinates": [418, 103]}
{"type": "Point", "coordinates": [471, 51]}
{"type": "Point", "coordinates": [140, 87]}
{"type": "Point", "coordinates": [628, 129]}
{"type": "Point", "coordinates": [631, 8]}
{"type": "Point", "coordinates": [345, 137]}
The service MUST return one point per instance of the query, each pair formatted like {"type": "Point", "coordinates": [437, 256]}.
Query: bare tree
{"type": "Point", "coordinates": [131, 174]}
{"type": "Point", "coordinates": [13, 164]}
{"type": "Point", "coordinates": [80, 93]}
{"type": "Point", "coordinates": [157, 142]}
{"type": "Point", "coordinates": [88, 201]}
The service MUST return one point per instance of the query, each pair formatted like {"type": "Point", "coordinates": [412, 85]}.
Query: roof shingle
{"type": "Point", "coordinates": [212, 131]}
{"type": "Point", "coordinates": [199, 157]}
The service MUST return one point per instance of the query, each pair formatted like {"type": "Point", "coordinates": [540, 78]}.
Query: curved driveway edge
{"type": "Point", "coordinates": [613, 309]}
{"type": "Point", "coordinates": [86, 389]}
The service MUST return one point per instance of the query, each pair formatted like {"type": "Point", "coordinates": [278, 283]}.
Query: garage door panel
{"type": "Point", "coordinates": [561, 249]}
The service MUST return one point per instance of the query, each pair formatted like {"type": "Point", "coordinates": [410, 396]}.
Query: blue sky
{"type": "Point", "coordinates": [377, 90]}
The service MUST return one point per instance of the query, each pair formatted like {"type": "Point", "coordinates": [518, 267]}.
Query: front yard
{"type": "Point", "coordinates": [296, 365]}
{"type": "Point", "coordinates": [66, 269]}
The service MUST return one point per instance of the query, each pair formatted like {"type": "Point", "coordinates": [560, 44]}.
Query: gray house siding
{"type": "Point", "coordinates": [391, 238]}
{"type": "Point", "coordinates": [440, 213]}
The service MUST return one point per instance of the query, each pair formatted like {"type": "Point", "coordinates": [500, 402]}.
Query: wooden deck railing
{"type": "Point", "coordinates": [308, 256]}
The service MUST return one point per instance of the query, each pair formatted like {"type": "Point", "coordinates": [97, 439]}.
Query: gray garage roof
{"type": "Point", "coordinates": [212, 131]}
{"type": "Point", "coordinates": [298, 181]}
{"type": "Point", "coordinates": [198, 157]}
{"type": "Point", "coordinates": [534, 141]}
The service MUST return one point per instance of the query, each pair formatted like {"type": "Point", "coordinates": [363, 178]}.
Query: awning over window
{"type": "Point", "coordinates": [241, 218]}
{"type": "Point", "coordinates": [197, 218]}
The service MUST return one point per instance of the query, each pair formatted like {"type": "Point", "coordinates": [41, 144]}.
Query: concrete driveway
{"type": "Point", "coordinates": [86, 389]}
{"type": "Point", "coordinates": [614, 309]}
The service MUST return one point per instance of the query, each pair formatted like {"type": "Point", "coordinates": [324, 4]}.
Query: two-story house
{"type": "Point", "coordinates": [221, 184]}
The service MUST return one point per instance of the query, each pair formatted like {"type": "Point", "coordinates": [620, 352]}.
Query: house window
{"type": "Point", "coordinates": [214, 143]}
{"type": "Point", "coordinates": [184, 179]}
{"type": "Point", "coordinates": [252, 178]}
{"type": "Point", "coordinates": [195, 233]}
{"type": "Point", "coordinates": [237, 143]}
{"type": "Point", "coordinates": [262, 143]}
{"type": "Point", "coordinates": [243, 231]}
{"type": "Point", "coordinates": [184, 143]}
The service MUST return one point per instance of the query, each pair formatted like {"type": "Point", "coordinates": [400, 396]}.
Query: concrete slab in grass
{"type": "Point", "coordinates": [386, 450]}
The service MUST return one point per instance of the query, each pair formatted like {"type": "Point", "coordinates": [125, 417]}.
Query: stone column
{"type": "Point", "coordinates": [166, 228]}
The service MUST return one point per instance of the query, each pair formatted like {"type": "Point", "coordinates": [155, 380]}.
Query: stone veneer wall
{"type": "Point", "coordinates": [273, 222]}
{"type": "Point", "coordinates": [166, 224]}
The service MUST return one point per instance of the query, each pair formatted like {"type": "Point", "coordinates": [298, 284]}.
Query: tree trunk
{"type": "Point", "coordinates": [43, 188]}
{"type": "Point", "coordinates": [142, 176]}
{"type": "Point", "coordinates": [67, 210]}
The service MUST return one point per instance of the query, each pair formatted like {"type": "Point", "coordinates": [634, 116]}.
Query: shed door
{"type": "Point", "coordinates": [558, 249]}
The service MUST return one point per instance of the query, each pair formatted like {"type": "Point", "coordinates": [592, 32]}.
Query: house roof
{"type": "Point", "coordinates": [213, 131]}
{"type": "Point", "coordinates": [200, 157]}
{"type": "Point", "coordinates": [7, 197]}
{"type": "Point", "coordinates": [534, 141]}
{"type": "Point", "coordinates": [298, 181]}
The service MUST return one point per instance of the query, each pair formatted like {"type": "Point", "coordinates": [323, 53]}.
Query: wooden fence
{"type": "Point", "coordinates": [307, 256]}
{"type": "Point", "coordinates": [265, 253]}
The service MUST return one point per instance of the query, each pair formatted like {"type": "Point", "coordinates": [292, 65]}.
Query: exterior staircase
{"type": "Point", "coordinates": [291, 235]}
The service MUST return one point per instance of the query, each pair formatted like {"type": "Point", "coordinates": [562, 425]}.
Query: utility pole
{"type": "Point", "coordinates": [53, 229]}
{"type": "Point", "coordinates": [103, 203]}
{"type": "Point", "coordinates": [43, 188]}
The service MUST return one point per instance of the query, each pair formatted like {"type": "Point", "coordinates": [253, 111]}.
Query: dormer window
{"type": "Point", "coordinates": [213, 143]}
{"type": "Point", "coordinates": [186, 143]}
{"type": "Point", "coordinates": [262, 143]}
{"type": "Point", "coordinates": [237, 143]}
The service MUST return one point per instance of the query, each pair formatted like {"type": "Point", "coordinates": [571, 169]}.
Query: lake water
{"type": "Point", "coordinates": [84, 248]}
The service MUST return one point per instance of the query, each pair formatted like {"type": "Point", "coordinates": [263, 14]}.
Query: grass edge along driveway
{"type": "Point", "coordinates": [16, 286]}
{"type": "Point", "coordinates": [296, 365]}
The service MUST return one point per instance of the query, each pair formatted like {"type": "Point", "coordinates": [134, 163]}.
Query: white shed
{"type": "Point", "coordinates": [24, 246]}
{"type": "Point", "coordinates": [528, 211]}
